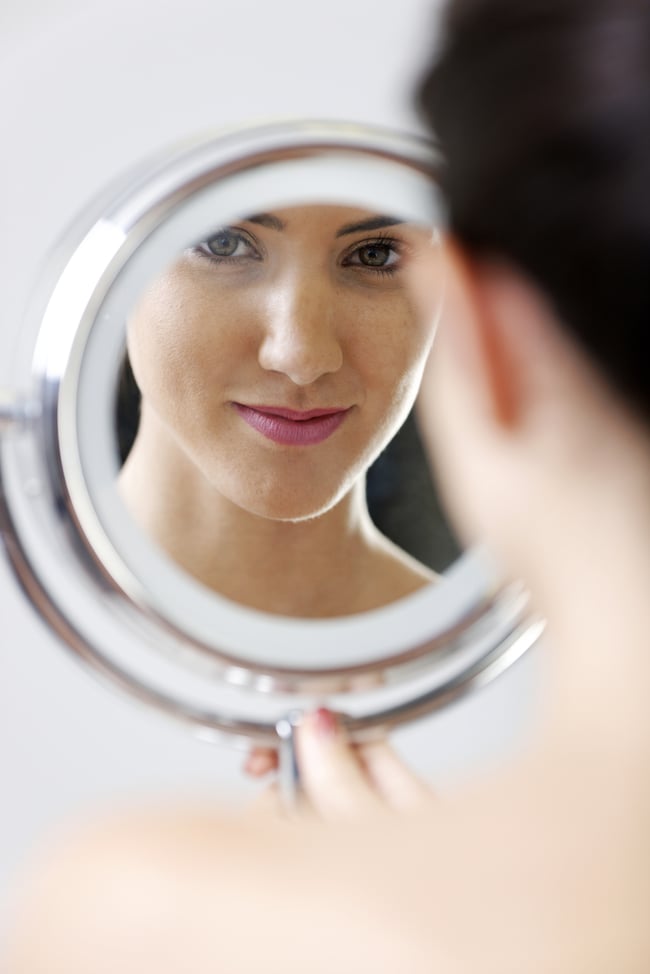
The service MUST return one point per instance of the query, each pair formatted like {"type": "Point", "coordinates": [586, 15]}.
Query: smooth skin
{"type": "Point", "coordinates": [542, 868]}
{"type": "Point", "coordinates": [303, 308]}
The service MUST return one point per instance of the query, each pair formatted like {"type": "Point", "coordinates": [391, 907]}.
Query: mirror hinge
{"type": "Point", "coordinates": [16, 410]}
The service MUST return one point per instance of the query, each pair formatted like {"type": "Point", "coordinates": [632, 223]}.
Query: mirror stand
{"type": "Point", "coordinates": [288, 770]}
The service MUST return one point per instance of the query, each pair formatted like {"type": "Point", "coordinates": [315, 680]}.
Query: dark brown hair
{"type": "Point", "coordinates": [127, 409]}
{"type": "Point", "coordinates": [542, 108]}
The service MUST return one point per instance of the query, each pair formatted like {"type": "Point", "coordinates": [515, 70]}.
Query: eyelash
{"type": "Point", "coordinates": [202, 248]}
{"type": "Point", "coordinates": [395, 245]}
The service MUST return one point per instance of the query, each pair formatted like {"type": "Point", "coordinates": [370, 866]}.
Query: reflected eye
{"type": "Point", "coordinates": [375, 255]}
{"type": "Point", "coordinates": [229, 243]}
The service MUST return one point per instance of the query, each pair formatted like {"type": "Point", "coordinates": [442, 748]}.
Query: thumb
{"type": "Point", "coordinates": [332, 775]}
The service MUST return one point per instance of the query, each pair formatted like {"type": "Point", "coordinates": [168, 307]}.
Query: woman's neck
{"type": "Point", "coordinates": [333, 564]}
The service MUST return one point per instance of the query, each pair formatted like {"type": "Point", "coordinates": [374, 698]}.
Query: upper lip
{"type": "Point", "coordinates": [299, 415]}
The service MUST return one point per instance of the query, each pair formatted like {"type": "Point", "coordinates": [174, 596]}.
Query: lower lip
{"type": "Point", "coordinates": [292, 432]}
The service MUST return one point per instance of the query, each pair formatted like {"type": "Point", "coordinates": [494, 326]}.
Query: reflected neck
{"type": "Point", "coordinates": [334, 564]}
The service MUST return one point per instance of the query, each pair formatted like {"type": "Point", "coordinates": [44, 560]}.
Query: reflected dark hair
{"type": "Point", "coordinates": [127, 409]}
{"type": "Point", "coordinates": [542, 108]}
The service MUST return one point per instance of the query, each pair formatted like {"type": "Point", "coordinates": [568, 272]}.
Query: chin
{"type": "Point", "coordinates": [293, 507]}
{"type": "Point", "coordinates": [290, 513]}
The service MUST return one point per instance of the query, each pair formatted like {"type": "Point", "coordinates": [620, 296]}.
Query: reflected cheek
{"type": "Point", "coordinates": [392, 357]}
{"type": "Point", "coordinates": [427, 284]}
{"type": "Point", "coordinates": [178, 364]}
{"type": "Point", "coordinates": [185, 334]}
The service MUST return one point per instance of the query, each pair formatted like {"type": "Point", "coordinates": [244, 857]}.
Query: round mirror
{"type": "Point", "coordinates": [267, 372]}
{"type": "Point", "coordinates": [213, 485]}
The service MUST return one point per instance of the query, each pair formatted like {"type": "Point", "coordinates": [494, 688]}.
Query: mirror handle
{"type": "Point", "coordinates": [288, 770]}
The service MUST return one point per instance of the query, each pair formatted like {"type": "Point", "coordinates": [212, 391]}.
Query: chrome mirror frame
{"type": "Point", "coordinates": [60, 520]}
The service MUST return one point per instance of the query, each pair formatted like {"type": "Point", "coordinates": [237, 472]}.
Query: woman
{"type": "Point", "coordinates": [276, 360]}
{"type": "Point", "coordinates": [545, 452]}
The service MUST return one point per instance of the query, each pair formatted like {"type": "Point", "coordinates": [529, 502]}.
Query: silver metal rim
{"type": "Point", "coordinates": [44, 484]}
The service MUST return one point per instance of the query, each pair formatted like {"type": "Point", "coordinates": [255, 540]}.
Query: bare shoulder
{"type": "Point", "coordinates": [177, 890]}
{"type": "Point", "coordinates": [521, 875]}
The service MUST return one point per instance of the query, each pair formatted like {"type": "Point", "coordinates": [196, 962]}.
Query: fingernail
{"type": "Point", "coordinates": [252, 764]}
{"type": "Point", "coordinates": [325, 723]}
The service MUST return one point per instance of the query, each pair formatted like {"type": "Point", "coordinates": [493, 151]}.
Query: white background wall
{"type": "Point", "coordinates": [86, 89]}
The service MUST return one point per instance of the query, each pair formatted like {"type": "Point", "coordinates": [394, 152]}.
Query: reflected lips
{"type": "Point", "coordinates": [290, 426]}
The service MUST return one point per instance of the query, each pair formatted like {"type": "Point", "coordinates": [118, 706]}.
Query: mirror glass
{"type": "Point", "coordinates": [264, 411]}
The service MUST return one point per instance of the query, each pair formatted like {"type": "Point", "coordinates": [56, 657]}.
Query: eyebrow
{"type": "Point", "coordinates": [374, 223]}
{"type": "Point", "coordinates": [267, 220]}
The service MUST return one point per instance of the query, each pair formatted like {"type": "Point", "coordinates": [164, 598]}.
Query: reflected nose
{"type": "Point", "coordinates": [300, 337]}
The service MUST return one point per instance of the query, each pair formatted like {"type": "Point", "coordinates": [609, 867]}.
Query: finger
{"type": "Point", "coordinates": [332, 775]}
{"type": "Point", "coordinates": [260, 761]}
{"type": "Point", "coordinates": [393, 781]}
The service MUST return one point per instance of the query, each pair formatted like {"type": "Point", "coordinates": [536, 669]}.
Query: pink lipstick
{"type": "Point", "coordinates": [290, 426]}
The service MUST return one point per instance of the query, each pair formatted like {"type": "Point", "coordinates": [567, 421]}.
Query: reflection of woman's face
{"type": "Point", "coordinates": [283, 353]}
